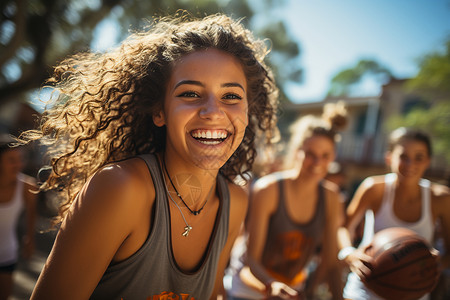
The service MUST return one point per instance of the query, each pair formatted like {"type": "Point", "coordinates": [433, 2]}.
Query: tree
{"type": "Point", "coordinates": [435, 121]}
{"type": "Point", "coordinates": [433, 78]}
{"type": "Point", "coordinates": [346, 82]}
{"type": "Point", "coordinates": [35, 35]}
{"type": "Point", "coordinates": [432, 83]}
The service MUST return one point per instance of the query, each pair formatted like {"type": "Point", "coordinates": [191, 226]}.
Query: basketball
{"type": "Point", "coordinates": [403, 266]}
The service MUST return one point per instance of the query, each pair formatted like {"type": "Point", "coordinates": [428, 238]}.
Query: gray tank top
{"type": "Point", "coordinates": [152, 272]}
{"type": "Point", "coordinates": [290, 245]}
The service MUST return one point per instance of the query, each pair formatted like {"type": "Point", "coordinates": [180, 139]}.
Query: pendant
{"type": "Point", "coordinates": [186, 230]}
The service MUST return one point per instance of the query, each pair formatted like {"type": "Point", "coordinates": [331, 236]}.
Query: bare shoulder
{"type": "Point", "coordinates": [269, 183]}
{"type": "Point", "coordinates": [264, 193]}
{"type": "Point", "coordinates": [238, 192]}
{"type": "Point", "coordinates": [334, 200]}
{"type": "Point", "coordinates": [238, 206]}
{"type": "Point", "coordinates": [374, 182]}
{"type": "Point", "coordinates": [330, 187]}
{"type": "Point", "coordinates": [373, 186]}
{"type": "Point", "coordinates": [264, 189]}
{"type": "Point", "coordinates": [29, 182]}
{"type": "Point", "coordinates": [440, 190]}
{"type": "Point", "coordinates": [123, 185]}
{"type": "Point", "coordinates": [368, 195]}
{"type": "Point", "coordinates": [440, 195]}
{"type": "Point", "coordinates": [238, 199]}
{"type": "Point", "coordinates": [332, 191]}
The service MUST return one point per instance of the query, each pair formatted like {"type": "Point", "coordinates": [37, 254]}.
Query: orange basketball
{"type": "Point", "coordinates": [404, 267]}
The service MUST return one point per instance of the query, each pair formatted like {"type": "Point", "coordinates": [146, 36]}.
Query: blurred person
{"type": "Point", "coordinates": [336, 174]}
{"type": "Point", "coordinates": [293, 214]}
{"type": "Point", "coordinates": [17, 194]}
{"type": "Point", "coordinates": [402, 198]}
{"type": "Point", "coordinates": [146, 141]}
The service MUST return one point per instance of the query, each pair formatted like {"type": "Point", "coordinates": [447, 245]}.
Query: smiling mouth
{"type": "Point", "coordinates": [210, 137]}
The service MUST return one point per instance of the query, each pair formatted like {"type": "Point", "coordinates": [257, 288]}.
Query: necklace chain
{"type": "Point", "coordinates": [194, 212]}
{"type": "Point", "coordinates": [188, 227]}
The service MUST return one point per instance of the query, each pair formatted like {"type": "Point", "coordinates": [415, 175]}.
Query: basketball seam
{"type": "Point", "coordinates": [400, 266]}
{"type": "Point", "coordinates": [393, 243]}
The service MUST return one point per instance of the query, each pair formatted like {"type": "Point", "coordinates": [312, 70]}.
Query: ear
{"type": "Point", "coordinates": [159, 119]}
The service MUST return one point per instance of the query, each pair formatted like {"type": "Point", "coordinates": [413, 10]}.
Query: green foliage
{"type": "Point", "coordinates": [432, 83]}
{"type": "Point", "coordinates": [345, 82]}
{"type": "Point", "coordinates": [433, 79]}
{"type": "Point", "coordinates": [37, 34]}
{"type": "Point", "coordinates": [435, 121]}
{"type": "Point", "coordinates": [283, 56]}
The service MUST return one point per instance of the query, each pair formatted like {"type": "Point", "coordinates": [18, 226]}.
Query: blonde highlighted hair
{"type": "Point", "coordinates": [333, 119]}
{"type": "Point", "coordinates": [104, 102]}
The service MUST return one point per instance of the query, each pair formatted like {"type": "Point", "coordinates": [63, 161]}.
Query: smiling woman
{"type": "Point", "coordinates": [402, 198]}
{"type": "Point", "coordinates": [208, 97]}
{"type": "Point", "coordinates": [292, 214]}
{"type": "Point", "coordinates": [146, 141]}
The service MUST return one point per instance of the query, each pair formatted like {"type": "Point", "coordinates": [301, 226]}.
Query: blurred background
{"type": "Point", "coordinates": [389, 61]}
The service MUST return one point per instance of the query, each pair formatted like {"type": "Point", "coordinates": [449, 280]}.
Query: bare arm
{"type": "Point", "coordinates": [99, 221]}
{"type": "Point", "coordinates": [335, 220]}
{"type": "Point", "coordinates": [441, 209]}
{"type": "Point", "coordinates": [238, 211]}
{"type": "Point", "coordinates": [366, 197]}
{"type": "Point", "coordinates": [263, 203]}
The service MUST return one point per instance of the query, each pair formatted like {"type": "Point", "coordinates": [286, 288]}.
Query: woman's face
{"type": "Point", "coordinates": [409, 159]}
{"type": "Point", "coordinates": [11, 162]}
{"type": "Point", "coordinates": [205, 109]}
{"type": "Point", "coordinates": [315, 156]}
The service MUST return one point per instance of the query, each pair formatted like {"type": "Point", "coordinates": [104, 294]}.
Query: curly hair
{"type": "Point", "coordinates": [102, 103]}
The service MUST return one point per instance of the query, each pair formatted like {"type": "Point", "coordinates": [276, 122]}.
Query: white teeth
{"type": "Point", "coordinates": [210, 142]}
{"type": "Point", "coordinates": [208, 134]}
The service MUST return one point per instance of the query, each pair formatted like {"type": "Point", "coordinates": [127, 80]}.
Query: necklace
{"type": "Point", "coordinates": [194, 212]}
{"type": "Point", "coordinates": [188, 227]}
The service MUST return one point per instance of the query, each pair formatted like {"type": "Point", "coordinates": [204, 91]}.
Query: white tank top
{"type": "Point", "coordinates": [9, 216]}
{"type": "Point", "coordinates": [386, 217]}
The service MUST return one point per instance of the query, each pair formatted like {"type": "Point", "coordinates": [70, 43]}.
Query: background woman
{"type": "Point", "coordinates": [16, 196]}
{"type": "Point", "coordinates": [292, 214]}
{"type": "Point", "coordinates": [398, 199]}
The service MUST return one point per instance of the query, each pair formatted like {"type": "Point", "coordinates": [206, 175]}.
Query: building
{"type": "Point", "coordinates": [361, 150]}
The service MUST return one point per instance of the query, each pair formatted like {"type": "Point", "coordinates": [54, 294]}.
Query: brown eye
{"type": "Point", "coordinates": [231, 98]}
{"type": "Point", "coordinates": [420, 158]}
{"type": "Point", "coordinates": [189, 94]}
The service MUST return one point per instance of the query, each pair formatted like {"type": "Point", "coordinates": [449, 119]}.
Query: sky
{"type": "Point", "coordinates": [335, 34]}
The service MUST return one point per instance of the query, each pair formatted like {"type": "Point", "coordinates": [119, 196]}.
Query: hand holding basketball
{"type": "Point", "coordinates": [405, 266]}
{"type": "Point", "coordinates": [360, 263]}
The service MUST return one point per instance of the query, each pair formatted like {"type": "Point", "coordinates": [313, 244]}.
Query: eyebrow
{"type": "Point", "coordinates": [195, 82]}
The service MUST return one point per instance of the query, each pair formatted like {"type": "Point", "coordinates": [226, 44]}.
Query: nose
{"type": "Point", "coordinates": [211, 109]}
{"type": "Point", "coordinates": [407, 161]}
{"type": "Point", "coordinates": [316, 160]}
